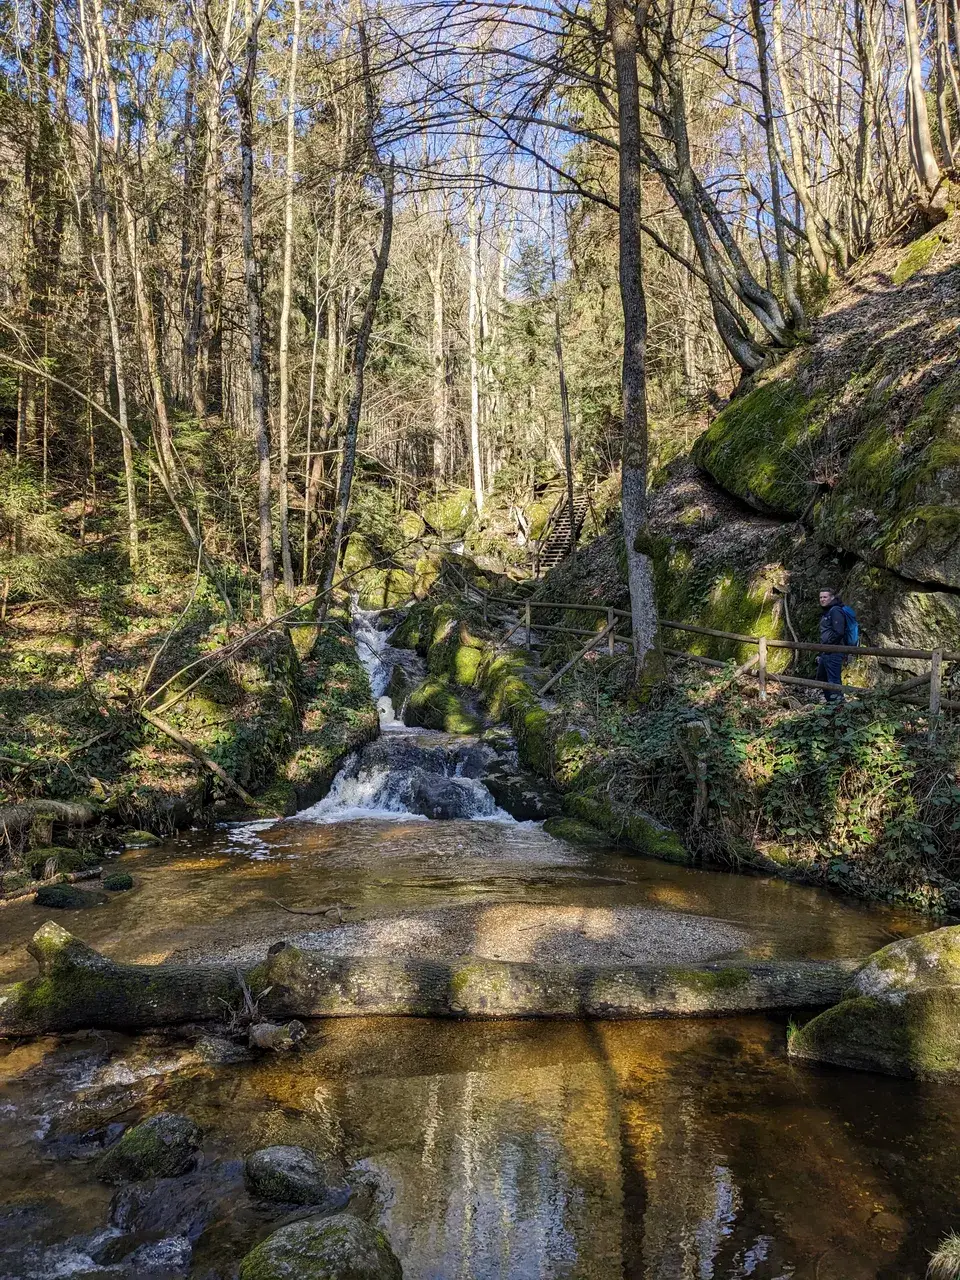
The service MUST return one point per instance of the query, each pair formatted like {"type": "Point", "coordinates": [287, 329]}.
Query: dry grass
{"type": "Point", "coordinates": [945, 1263]}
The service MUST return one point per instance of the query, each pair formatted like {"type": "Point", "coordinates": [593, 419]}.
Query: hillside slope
{"type": "Point", "coordinates": [839, 465]}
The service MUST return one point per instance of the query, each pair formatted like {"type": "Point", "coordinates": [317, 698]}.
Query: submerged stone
{"type": "Point", "coordinates": [292, 1175]}
{"type": "Point", "coordinates": [338, 1248]}
{"type": "Point", "coordinates": [162, 1147]}
{"type": "Point", "coordinates": [170, 1257]}
{"type": "Point", "coordinates": [65, 897]}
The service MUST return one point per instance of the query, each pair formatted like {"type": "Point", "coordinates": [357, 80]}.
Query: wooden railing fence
{"type": "Point", "coordinates": [909, 690]}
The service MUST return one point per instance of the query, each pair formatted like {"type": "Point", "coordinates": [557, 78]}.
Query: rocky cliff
{"type": "Point", "coordinates": [838, 465]}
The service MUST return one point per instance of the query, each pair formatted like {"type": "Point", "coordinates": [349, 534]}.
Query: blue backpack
{"type": "Point", "coordinates": [851, 634]}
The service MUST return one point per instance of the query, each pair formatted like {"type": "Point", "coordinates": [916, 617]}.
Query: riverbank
{"type": "Point", "coordinates": [855, 796]}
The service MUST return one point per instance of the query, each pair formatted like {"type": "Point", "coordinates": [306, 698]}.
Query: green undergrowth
{"type": "Point", "coordinates": [852, 795]}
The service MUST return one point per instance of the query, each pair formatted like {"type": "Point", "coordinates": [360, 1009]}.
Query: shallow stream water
{"type": "Point", "coordinates": [668, 1150]}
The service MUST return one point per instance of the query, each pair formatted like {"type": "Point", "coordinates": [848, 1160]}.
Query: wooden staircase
{"type": "Point", "coordinates": [559, 539]}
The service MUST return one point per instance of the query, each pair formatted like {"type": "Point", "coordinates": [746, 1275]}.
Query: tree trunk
{"type": "Point", "coordinates": [332, 555]}
{"type": "Point", "coordinates": [473, 325]}
{"type": "Point", "coordinates": [922, 158]}
{"type": "Point", "coordinates": [635, 447]}
{"type": "Point", "coordinates": [283, 414]}
{"type": "Point", "coordinates": [258, 393]}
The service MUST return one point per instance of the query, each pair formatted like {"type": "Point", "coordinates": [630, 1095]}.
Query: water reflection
{"type": "Point", "coordinates": [654, 1151]}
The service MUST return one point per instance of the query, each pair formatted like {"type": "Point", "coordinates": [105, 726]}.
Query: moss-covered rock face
{"type": "Point", "coordinates": [450, 514]}
{"type": "Point", "coordinates": [901, 1016]}
{"type": "Point", "coordinates": [895, 502]}
{"type": "Point", "coordinates": [338, 1248]}
{"type": "Point", "coordinates": [162, 1147]}
{"type": "Point", "coordinates": [758, 447]}
{"type": "Point", "coordinates": [291, 1175]}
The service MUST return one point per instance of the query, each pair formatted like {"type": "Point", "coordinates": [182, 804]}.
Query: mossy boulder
{"type": "Point", "coordinates": [576, 832]}
{"type": "Point", "coordinates": [291, 1175]}
{"type": "Point", "coordinates": [901, 1015]}
{"type": "Point", "coordinates": [139, 839]}
{"type": "Point", "coordinates": [758, 447]}
{"type": "Point", "coordinates": [922, 251]}
{"type": "Point", "coordinates": [628, 826]}
{"type": "Point", "coordinates": [450, 514]}
{"type": "Point", "coordinates": [162, 1147]}
{"type": "Point", "coordinates": [66, 897]}
{"type": "Point", "coordinates": [434, 705]}
{"type": "Point", "coordinates": [118, 881]}
{"type": "Point", "coordinates": [337, 1248]}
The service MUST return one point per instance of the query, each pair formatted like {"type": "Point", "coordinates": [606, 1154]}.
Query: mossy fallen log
{"type": "Point", "coordinates": [77, 987]}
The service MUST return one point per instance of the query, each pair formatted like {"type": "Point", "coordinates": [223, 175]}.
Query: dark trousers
{"type": "Point", "coordinates": [830, 670]}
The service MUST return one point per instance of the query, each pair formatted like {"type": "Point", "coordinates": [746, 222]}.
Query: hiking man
{"type": "Point", "coordinates": [838, 625]}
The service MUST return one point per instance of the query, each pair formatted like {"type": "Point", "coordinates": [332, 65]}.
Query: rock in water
{"type": "Point", "coordinates": [292, 1175]}
{"type": "Point", "coordinates": [118, 881]}
{"type": "Point", "coordinates": [162, 1147]}
{"type": "Point", "coordinates": [280, 1039]}
{"type": "Point", "coordinates": [900, 1016]}
{"type": "Point", "coordinates": [339, 1248]}
{"type": "Point", "coordinates": [65, 897]}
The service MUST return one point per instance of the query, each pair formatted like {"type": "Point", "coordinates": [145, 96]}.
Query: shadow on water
{"type": "Point", "coordinates": [505, 1151]}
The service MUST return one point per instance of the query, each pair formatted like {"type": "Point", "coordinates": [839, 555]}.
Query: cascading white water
{"type": "Point", "coordinates": [407, 774]}
{"type": "Point", "coordinates": [378, 658]}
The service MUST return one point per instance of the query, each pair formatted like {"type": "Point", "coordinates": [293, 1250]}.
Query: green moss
{"type": "Point", "coordinates": [65, 897]}
{"type": "Point", "coordinates": [918, 1037]}
{"type": "Point", "coordinates": [705, 981]}
{"type": "Point", "coordinates": [758, 447]}
{"type": "Point", "coordinates": [118, 882]}
{"type": "Point", "coordinates": [628, 826]}
{"type": "Point", "coordinates": [338, 1248]}
{"type": "Point", "coordinates": [162, 1147]}
{"type": "Point", "coordinates": [450, 514]}
{"type": "Point", "coordinates": [138, 839]}
{"type": "Point", "coordinates": [434, 705]}
{"type": "Point", "coordinates": [919, 255]}
{"type": "Point", "coordinates": [576, 832]}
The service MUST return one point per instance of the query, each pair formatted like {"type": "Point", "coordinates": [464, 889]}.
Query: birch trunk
{"type": "Point", "coordinates": [283, 414]}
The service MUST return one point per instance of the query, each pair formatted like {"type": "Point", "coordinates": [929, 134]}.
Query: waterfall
{"type": "Point", "coordinates": [415, 775]}
{"type": "Point", "coordinates": [379, 659]}
{"type": "Point", "coordinates": [406, 774]}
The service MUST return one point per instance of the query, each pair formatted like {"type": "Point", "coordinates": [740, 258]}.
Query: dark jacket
{"type": "Point", "coordinates": [833, 623]}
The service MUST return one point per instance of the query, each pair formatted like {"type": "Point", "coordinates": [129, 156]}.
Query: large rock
{"type": "Point", "coordinates": [436, 796]}
{"type": "Point", "coordinates": [162, 1147]}
{"type": "Point", "coordinates": [339, 1248]}
{"type": "Point", "coordinates": [292, 1175]}
{"type": "Point", "coordinates": [522, 795]}
{"type": "Point", "coordinates": [900, 1016]}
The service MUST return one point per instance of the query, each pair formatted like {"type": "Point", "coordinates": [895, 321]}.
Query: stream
{"type": "Point", "coordinates": [657, 1150]}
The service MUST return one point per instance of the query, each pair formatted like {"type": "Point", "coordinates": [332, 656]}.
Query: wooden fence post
{"type": "Point", "coordinates": [611, 624]}
{"type": "Point", "coordinates": [526, 621]}
{"type": "Point", "coordinates": [762, 666]}
{"type": "Point", "coordinates": [936, 686]}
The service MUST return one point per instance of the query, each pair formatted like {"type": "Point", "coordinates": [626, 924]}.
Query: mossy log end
{"type": "Point", "coordinates": [77, 987]}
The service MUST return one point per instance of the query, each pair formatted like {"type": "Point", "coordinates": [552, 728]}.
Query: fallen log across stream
{"type": "Point", "coordinates": [77, 987]}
